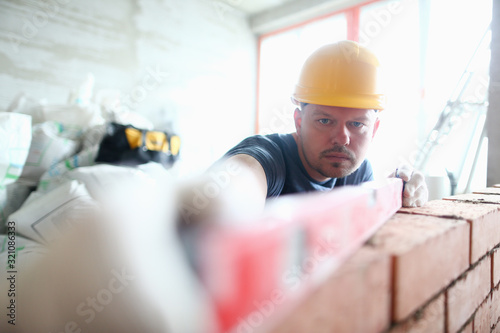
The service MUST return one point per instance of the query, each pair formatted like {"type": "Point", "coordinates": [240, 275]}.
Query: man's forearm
{"type": "Point", "coordinates": [232, 189]}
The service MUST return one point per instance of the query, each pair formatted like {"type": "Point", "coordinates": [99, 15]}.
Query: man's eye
{"type": "Point", "coordinates": [324, 121]}
{"type": "Point", "coordinates": [357, 124]}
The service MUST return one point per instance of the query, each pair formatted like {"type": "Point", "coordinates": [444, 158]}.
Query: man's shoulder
{"type": "Point", "coordinates": [271, 145]}
{"type": "Point", "coordinates": [273, 152]}
{"type": "Point", "coordinates": [271, 141]}
{"type": "Point", "coordinates": [275, 137]}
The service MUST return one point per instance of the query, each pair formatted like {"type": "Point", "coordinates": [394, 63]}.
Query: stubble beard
{"type": "Point", "coordinates": [339, 171]}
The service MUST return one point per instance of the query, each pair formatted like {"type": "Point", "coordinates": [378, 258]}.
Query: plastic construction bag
{"type": "Point", "coordinates": [99, 179]}
{"type": "Point", "coordinates": [47, 217]}
{"type": "Point", "coordinates": [69, 115]}
{"type": "Point", "coordinates": [11, 198]}
{"type": "Point", "coordinates": [81, 116]}
{"type": "Point", "coordinates": [93, 136]}
{"type": "Point", "coordinates": [25, 251]}
{"type": "Point", "coordinates": [48, 147]}
{"type": "Point", "coordinates": [28, 106]}
{"type": "Point", "coordinates": [57, 174]}
{"type": "Point", "coordinates": [15, 140]}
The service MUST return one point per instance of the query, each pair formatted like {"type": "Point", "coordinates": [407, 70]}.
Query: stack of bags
{"type": "Point", "coordinates": [51, 186]}
{"type": "Point", "coordinates": [47, 168]}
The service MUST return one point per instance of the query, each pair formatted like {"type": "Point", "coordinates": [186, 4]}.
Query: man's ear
{"type": "Point", "coordinates": [297, 117]}
{"type": "Point", "coordinates": [375, 127]}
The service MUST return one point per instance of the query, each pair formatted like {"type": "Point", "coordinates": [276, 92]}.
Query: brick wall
{"type": "Point", "coordinates": [430, 269]}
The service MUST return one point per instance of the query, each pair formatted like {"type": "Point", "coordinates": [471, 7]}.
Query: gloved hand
{"type": "Point", "coordinates": [415, 193]}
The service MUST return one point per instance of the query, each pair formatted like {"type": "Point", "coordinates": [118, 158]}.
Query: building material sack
{"type": "Point", "coordinates": [128, 145]}
{"type": "Point", "coordinates": [12, 197]}
{"type": "Point", "coordinates": [56, 175]}
{"type": "Point", "coordinates": [67, 114]}
{"type": "Point", "coordinates": [100, 179]}
{"type": "Point", "coordinates": [75, 115]}
{"type": "Point", "coordinates": [49, 145]}
{"type": "Point", "coordinates": [15, 134]}
{"type": "Point", "coordinates": [93, 136]}
{"type": "Point", "coordinates": [126, 117]}
{"type": "Point", "coordinates": [95, 177]}
{"type": "Point", "coordinates": [25, 251]}
{"type": "Point", "coordinates": [47, 217]}
{"type": "Point", "coordinates": [29, 106]}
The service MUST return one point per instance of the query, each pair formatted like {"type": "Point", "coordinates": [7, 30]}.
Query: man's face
{"type": "Point", "coordinates": [333, 141]}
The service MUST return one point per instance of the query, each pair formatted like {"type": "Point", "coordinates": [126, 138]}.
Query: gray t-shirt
{"type": "Point", "coordinates": [278, 154]}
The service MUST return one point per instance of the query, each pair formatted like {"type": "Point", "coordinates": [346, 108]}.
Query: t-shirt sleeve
{"type": "Point", "coordinates": [269, 155]}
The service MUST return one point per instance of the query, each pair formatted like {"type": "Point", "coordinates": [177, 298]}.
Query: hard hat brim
{"type": "Point", "coordinates": [376, 102]}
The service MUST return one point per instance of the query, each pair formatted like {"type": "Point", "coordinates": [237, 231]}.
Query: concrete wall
{"type": "Point", "coordinates": [187, 62]}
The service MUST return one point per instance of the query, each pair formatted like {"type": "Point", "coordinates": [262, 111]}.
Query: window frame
{"type": "Point", "coordinates": [352, 15]}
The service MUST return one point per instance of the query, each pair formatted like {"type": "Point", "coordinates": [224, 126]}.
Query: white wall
{"type": "Point", "coordinates": [187, 62]}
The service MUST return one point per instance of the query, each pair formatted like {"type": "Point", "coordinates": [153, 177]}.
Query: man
{"type": "Point", "coordinates": [338, 99]}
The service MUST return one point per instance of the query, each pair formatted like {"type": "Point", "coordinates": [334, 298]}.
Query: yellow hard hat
{"type": "Point", "coordinates": [343, 74]}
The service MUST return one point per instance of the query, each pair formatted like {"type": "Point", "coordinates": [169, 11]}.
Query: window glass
{"type": "Point", "coordinates": [457, 72]}
{"type": "Point", "coordinates": [281, 57]}
{"type": "Point", "coordinates": [391, 30]}
{"type": "Point", "coordinates": [424, 48]}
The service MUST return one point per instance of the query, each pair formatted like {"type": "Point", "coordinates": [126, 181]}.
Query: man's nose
{"type": "Point", "coordinates": [340, 136]}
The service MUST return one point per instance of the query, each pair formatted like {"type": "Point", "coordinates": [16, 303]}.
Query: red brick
{"type": "Point", "coordinates": [483, 317]}
{"type": "Point", "coordinates": [489, 190]}
{"type": "Point", "coordinates": [469, 328]}
{"type": "Point", "coordinates": [355, 299]}
{"type": "Point", "coordinates": [476, 198]}
{"type": "Point", "coordinates": [495, 306]}
{"type": "Point", "coordinates": [483, 218]}
{"type": "Point", "coordinates": [495, 267]}
{"type": "Point", "coordinates": [465, 296]}
{"type": "Point", "coordinates": [428, 254]}
{"type": "Point", "coordinates": [430, 319]}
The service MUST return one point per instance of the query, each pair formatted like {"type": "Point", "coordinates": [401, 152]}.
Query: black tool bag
{"type": "Point", "coordinates": [128, 145]}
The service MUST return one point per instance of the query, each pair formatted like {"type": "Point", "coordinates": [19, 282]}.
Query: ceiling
{"type": "Point", "coordinates": [251, 7]}
{"type": "Point", "coordinates": [271, 15]}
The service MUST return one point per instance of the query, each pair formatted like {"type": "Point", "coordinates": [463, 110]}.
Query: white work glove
{"type": "Point", "coordinates": [415, 193]}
